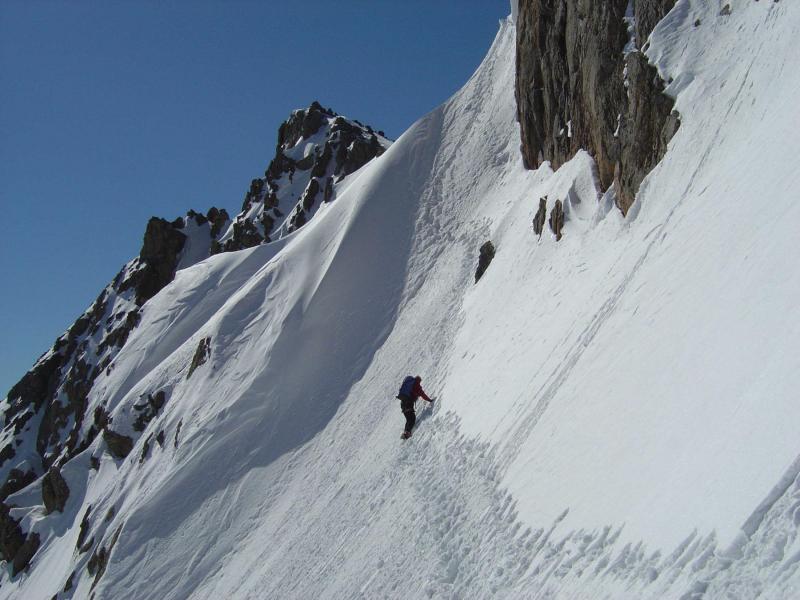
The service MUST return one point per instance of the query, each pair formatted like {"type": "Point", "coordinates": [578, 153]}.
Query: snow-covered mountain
{"type": "Point", "coordinates": [615, 413]}
{"type": "Point", "coordinates": [48, 418]}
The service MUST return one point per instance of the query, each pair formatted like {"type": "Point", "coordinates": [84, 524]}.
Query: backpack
{"type": "Point", "coordinates": [406, 389]}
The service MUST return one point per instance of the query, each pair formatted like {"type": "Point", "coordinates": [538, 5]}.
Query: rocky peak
{"type": "Point", "coordinates": [583, 83]}
{"type": "Point", "coordinates": [50, 417]}
{"type": "Point", "coordinates": [316, 150]}
{"type": "Point", "coordinates": [303, 123]}
{"type": "Point", "coordinates": [46, 421]}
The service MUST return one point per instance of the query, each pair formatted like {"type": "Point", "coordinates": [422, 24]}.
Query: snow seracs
{"type": "Point", "coordinates": [316, 150]}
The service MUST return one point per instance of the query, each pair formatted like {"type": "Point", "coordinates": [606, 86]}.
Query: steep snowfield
{"type": "Point", "coordinates": [617, 410]}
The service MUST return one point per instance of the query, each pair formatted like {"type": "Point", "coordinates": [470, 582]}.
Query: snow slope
{"type": "Point", "coordinates": [616, 410]}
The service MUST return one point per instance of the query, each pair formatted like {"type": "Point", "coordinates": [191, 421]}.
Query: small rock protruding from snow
{"type": "Point", "coordinates": [557, 219]}
{"type": "Point", "coordinates": [177, 433]}
{"type": "Point", "coordinates": [83, 532]}
{"type": "Point", "coordinates": [200, 356]}
{"type": "Point", "coordinates": [149, 409]}
{"type": "Point", "coordinates": [540, 217]}
{"type": "Point", "coordinates": [487, 252]}
{"type": "Point", "coordinates": [55, 491]}
{"type": "Point", "coordinates": [118, 445]}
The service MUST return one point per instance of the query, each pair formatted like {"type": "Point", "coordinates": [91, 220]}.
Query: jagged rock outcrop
{"type": "Point", "coordinates": [83, 532]}
{"type": "Point", "coordinates": [145, 449]}
{"type": "Point", "coordinates": [556, 220]}
{"type": "Point", "coordinates": [16, 480]}
{"type": "Point", "coordinates": [582, 83]}
{"type": "Point", "coordinates": [58, 386]}
{"type": "Point", "coordinates": [148, 410]}
{"type": "Point", "coordinates": [161, 250]}
{"type": "Point", "coordinates": [163, 242]}
{"type": "Point", "coordinates": [200, 355]}
{"type": "Point", "coordinates": [11, 536]}
{"type": "Point", "coordinates": [484, 259]}
{"type": "Point", "coordinates": [96, 565]}
{"type": "Point", "coordinates": [55, 491]}
{"type": "Point", "coordinates": [540, 217]}
{"type": "Point", "coordinates": [316, 149]}
{"type": "Point", "coordinates": [26, 552]}
{"type": "Point", "coordinates": [177, 433]}
{"type": "Point", "coordinates": [118, 445]}
{"type": "Point", "coordinates": [16, 548]}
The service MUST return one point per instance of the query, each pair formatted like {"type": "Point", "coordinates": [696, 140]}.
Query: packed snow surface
{"type": "Point", "coordinates": [617, 411]}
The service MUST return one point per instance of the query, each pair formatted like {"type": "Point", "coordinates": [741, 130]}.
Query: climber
{"type": "Point", "coordinates": [410, 390]}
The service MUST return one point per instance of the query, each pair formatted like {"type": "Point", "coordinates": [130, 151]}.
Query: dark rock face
{"type": "Point", "coordinates": [302, 124]}
{"type": "Point", "coordinates": [58, 387]}
{"type": "Point", "coordinates": [99, 559]}
{"type": "Point", "coordinates": [69, 582]}
{"type": "Point", "coordinates": [16, 548]}
{"type": "Point", "coordinates": [556, 221]}
{"type": "Point", "coordinates": [158, 258]}
{"type": "Point", "coordinates": [648, 14]}
{"type": "Point", "coordinates": [245, 235]}
{"type": "Point", "coordinates": [55, 491]}
{"type": "Point", "coordinates": [200, 355]}
{"type": "Point", "coordinates": [16, 481]}
{"type": "Point", "coordinates": [145, 449]}
{"type": "Point", "coordinates": [177, 434]}
{"type": "Point", "coordinates": [119, 445]}
{"type": "Point", "coordinates": [148, 410]}
{"type": "Point", "coordinates": [11, 536]}
{"type": "Point", "coordinates": [649, 127]}
{"type": "Point", "coordinates": [310, 195]}
{"type": "Point", "coordinates": [119, 335]}
{"type": "Point", "coordinates": [484, 260]}
{"type": "Point", "coordinates": [26, 552]}
{"type": "Point", "coordinates": [541, 216]}
{"type": "Point", "coordinates": [341, 148]}
{"type": "Point", "coordinates": [218, 219]}
{"type": "Point", "coordinates": [7, 453]}
{"type": "Point", "coordinates": [571, 89]}
{"type": "Point", "coordinates": [84, 530]}
{"type": "Point", "coordinates": [298, 219]}
{"type": "Point", "coordinates": [35, 387]}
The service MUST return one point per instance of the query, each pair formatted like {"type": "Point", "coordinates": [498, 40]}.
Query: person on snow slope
{"type": "Point", "coordinates": [410, 390]}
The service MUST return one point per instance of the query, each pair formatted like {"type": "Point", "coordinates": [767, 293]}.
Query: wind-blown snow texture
{"type": "Point", "coordinates": [617, 411]}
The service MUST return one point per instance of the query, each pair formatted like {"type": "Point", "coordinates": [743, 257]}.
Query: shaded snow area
{"type": "Point", "coordinates": [617, 411]}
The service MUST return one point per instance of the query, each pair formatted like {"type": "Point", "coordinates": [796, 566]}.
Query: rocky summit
{"type": "Point", "coordinates": [47, 419]}
{"type": "Point", "coordinates": [317, 149]}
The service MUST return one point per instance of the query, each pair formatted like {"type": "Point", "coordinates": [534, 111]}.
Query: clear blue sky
{"type": "Point", "coordinates": [112, 112]}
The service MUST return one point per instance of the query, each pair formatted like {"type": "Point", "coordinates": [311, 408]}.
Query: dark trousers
{"type": "Point", "coordinates": [407, 406]}
{"type": "Point", "coordinates": [411, 418]}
